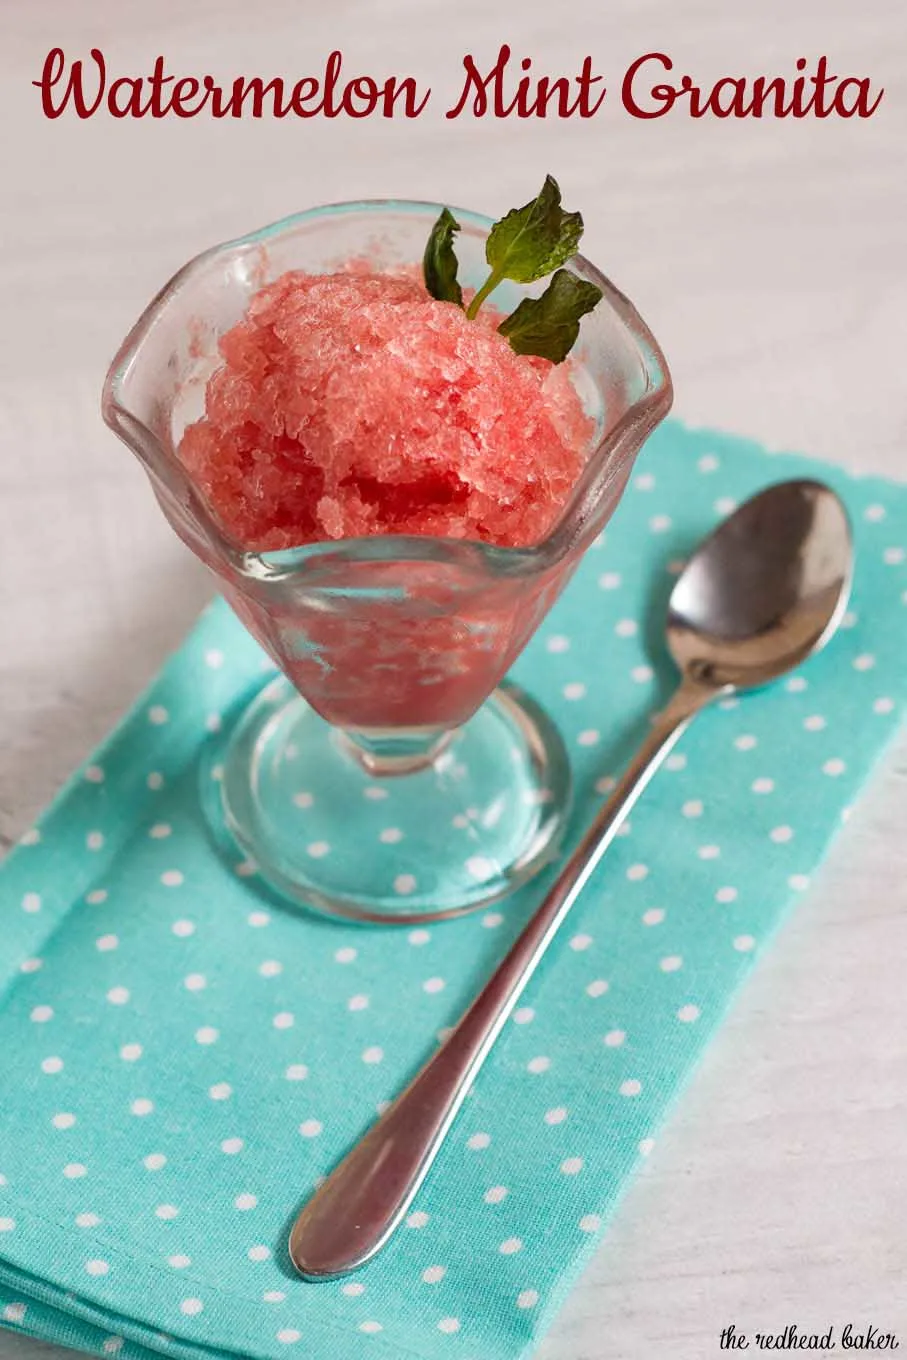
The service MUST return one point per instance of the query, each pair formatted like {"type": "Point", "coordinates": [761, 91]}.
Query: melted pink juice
{"type": "Point", "coordinates": [355, 404]}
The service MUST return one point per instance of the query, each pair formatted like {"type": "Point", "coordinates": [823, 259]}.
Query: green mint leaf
{"type": "Point", "coordinates": [439, 263]}
{"type": "Point", "coordinates": [533, 240]}
{"type": "Point", "coordinates": [548, 325]}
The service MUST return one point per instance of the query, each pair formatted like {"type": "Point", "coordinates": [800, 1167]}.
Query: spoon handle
{"type": "Point", "coordinates": [355, 1211]}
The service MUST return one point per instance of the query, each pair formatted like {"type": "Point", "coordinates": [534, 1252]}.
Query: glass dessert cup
{"type": "Point", "coordinates": [386, 774]}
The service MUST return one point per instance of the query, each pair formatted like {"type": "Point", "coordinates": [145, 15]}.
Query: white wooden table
{"type": "Point", "coordinates": [768, 258]}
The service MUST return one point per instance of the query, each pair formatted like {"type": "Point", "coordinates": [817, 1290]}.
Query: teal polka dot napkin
{"type": "Point", "coordinates": [181, 1058]}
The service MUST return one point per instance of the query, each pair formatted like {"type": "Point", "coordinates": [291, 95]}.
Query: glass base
{"type": "Point", "coordinates": [481, 818]}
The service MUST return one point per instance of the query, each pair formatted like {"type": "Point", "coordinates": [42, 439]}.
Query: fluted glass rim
{"type": "Point", "coordinates": [165, 467]}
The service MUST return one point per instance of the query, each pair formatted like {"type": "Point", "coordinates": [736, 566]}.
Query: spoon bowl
{"type": "Point", "coordinates": [765, 590]}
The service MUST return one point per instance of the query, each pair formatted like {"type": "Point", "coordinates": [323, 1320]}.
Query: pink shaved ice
{"type": "Point", "coordinates": [354, 403]}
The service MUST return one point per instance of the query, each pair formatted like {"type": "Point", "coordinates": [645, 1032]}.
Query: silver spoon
{"type": "Point", "coordinates": [762, 593]}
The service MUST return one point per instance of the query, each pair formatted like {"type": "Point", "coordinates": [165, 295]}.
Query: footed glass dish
{"type": "Point", "coordinates": [392, 649]}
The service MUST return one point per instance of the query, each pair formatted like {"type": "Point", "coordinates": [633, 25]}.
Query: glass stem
{"type": "Point", "coordinates": [383, 753]}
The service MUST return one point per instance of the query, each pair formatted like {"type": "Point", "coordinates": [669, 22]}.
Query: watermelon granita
{"type": "Point", "coordinates": [355, 403]}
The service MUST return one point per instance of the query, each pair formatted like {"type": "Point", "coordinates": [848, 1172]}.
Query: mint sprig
{"type": "Point", "coordinates": [525, 245]}
{"type": "Point", "coordinates": [439, 263]}
{"type": "Point", "coordinates": [548, 325]}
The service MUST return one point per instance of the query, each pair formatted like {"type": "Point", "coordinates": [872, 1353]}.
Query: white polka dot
{"type": "Point", "coordinates": [157, 715]}
{"type": "Point", "coordinates": [155, 780]}
{"type": "Point", "coordinates": [538, 1065]}
{"type": "Point", "coordinates": [296, 1072]}
{"type": "Point", "coordinates": [641, 675]}
{"type": "Point", "coordinates": [727, 894]}
{"type": "Point", "coordinates": [105, 943]}
{"type": "Point", "coordinates": [391, 835]}
{"type": "Point", "coordinates": [645, 1146]}
{"type": "Point", "coordinates": [495, 1194]}
{"type": "Point", "coordinates": [373, 1055]}
{"type": "Point", "coordinates": [692, 809]}
{"type": "Point", "coordinates": [113, 1345]}
{"type": "Point", "coordinates": [510, 1246]}
{"type": "Point", "coordinates": [605, 784]}
{"type": "Point", "coordinates": [865, 662]}
{"type": "Point", "coordinates": [231, 1146]}
{"type": "Point", "coordinates": [874, 513]}
{"type": "Point", "coordinates": [52, 1065]}
{"type": "Point", "coordinates": [449, 1325]}
{"type": "Point", "coordinates": [418, 937]}
{"type": "Point", "coordinates": [417, 1219]}
{"type": "Point", "coordinates": [575, 690]}
{"type": "Point", "coordinates": [273, 1296]}
{"type": "Point", "coordinates": [708, 463]}
{"type": "Point", "coordinates": [572, 1166]}
{"type": "Point", "coordinates": [796, 684]}
{"type": "Point", "coordinates": [763, 785]}
{"type": "Point", "coordinates": [288, 1335]}
{"type": "Point", "coordinates": [191, 1307]}
{"type": "Point", "coordinates": [14, 1312]}
{"type": "Point", "coordinates": [744, 943]}
{"type": "Point", "coordinates": [590, 1223]}
{"type": "Point", "coordinates": [556, 1115]}
{"type": "Point", "coordinates": [883, 705]}
{"type": "Point", "coordinates": [345, 955]}
{"type": "Point", "coordinates": [318, 849]}
{"type": "Point", "coordinates": [614, 1038]}
{"type": "Point", "coordinates": [30, 837]}
{"type": "Point", "coordinates": [653, 917]}
{"type": "Point", "coordinates": [660, 523]}
{"type": "Point", "coordinates": [524, 1015]}
{"type": "Point", "coordinates": [31, 902]}
{"type": "Point", "coordinates": [270, 968]}
{"type": "Point", "coordinates": [259, 1253]}
{"type": "Point", "coordinates": [637, 872]}
{"type": "Point", "coordinates": [834, 767]}
{"type": "Point", "coordinates": [179, 1262]}
{"type": "Point", "coordinates": [171, 878]}
{"type": "Point", "coordinates": [589, 736]}
{"type": "Point", "coordinates": [893, 557]}
{"type": "Point", "coordinates": [258, 919]}
{"type": "Point", "coordinates": [478, 1141]}
{"type": "Point", "coordinates": [245, 1201]}
{"type": "Point", "coordinates": [166, 1211]}
{"type": "Point", "coordinates": [31, 965]}
{"type": "Point", "coordinates": [404, 884]}
{"type": "Point", "coordinates": [558, 643]}
{"type": "Point", "coordinates": [353, 1289]}
{"type": "Point", "coordinates": [626, 628]}
{"type": "Point", "coordinates": [94, 840]}
{"type": "Point", "coordinates": [725, 505]}
{"type": "Point", "coordinates": [781, 834]}
{"type": "Point", "coordinates": [183, 928]}
{"type": "Point", "coordinates": [597, 988]}
{"type": "Point", "coordinates": [87, 1220]}
{"type": "Point", "coordinates": [94, 774]}
{"type": "Point", "coordinates": [527, 1298]}
{"type": "Point", "coordinates": [580, 942]}
{"type": "Point", "coordinates": [96, 896]}
{"type": "Point", "coordinates": [434, 1274]}
{"type": "Point", "coordinates": [154, 1161]}
{"type": "Point", "coordinates": [195, 982]}
{"type": "Point", "coordinates": [609, 580]}
{"type": "Point", "coordinates": [64, 1120]}
{"type": "Point", "coordinates": [371, 1327]}
{"type": "Point", "coordinates": [746, 742]}
{"type": "Point", "coordinates": [7, 1224]}
{"type": "Point", "coordinates": [41, 1014]}
{"type": "Point", "coordinates": [375, 792]}
{"type": "Point", "coordinates": [433, 984]}
{"type": "Point", "coordinates": [799, 882]}
{"type": "Point", "coordinates": [142, 1106]}
{"type": "Point", "coordinates": [688, 1014]}
{"type": "Point", "coordinates": [214, 658]}
{"type": "Point", "coordinates": [97, 1267]}
{"type": "Point", "coordinates": [630, 1088]}
{"type": "Point", "coordinates": [814, 723]}
{"type": "Point", "coordinates": [357, 1003]}
{"type": "Point", "coordinates": [671, 963]}
{"type": "Point", "coordinates": [118, 996]}
{"type": "Point", "coordinates": [644, 482]}
{"type": "Point", "coordinates": [310, 1128]}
